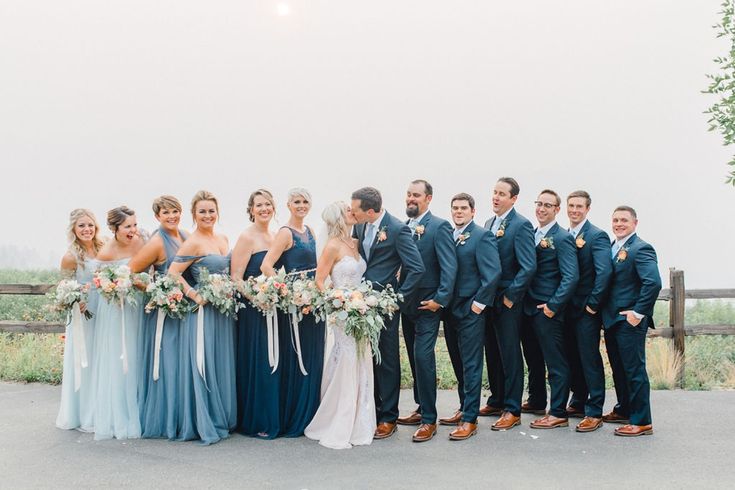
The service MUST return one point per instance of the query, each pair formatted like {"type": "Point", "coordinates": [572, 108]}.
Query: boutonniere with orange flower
{"type": "Point", "coordinates": [462, 238]}
{"type": "Point", "coordinates": [419, 230]}
{"type": "Point", "coordinates": [580, 240]}
{"type": "Point", "coordinates": [501, 229]}
{"type": "Point", "coordinates": [547, 242]}
{"type": "Point", "coordinates": [622, 255]}
{"type": "Point", "coordinates": [382, 234]}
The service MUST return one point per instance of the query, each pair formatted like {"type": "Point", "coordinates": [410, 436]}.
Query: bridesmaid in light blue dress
{"type": "Point", "coordinates": [208, 405]}
{"type": "Point", "coordinates": [295, 247]}
{"type": "Point", "coordinates": [76, 410]}
{"type": "Point", "coordinates": [115, 390]}
{"type": "Point", "coordinates": [157, 399]}
{"type": "Point", "coordinates": [258, 386]}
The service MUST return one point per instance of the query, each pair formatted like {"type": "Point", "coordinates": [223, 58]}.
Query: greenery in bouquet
{"type": "Point", "coordinates": [68, 293]}
{"type": "Point", "coordinates": [304, 297]}
{"type": "Point", "coordinates": [115, 284]}
{"type": "Point", "coordinates": [267, 292]}
{"type": "Point", "coordinates": [164, 293]}
{"type": "Point", "coordinates": [219, 290]}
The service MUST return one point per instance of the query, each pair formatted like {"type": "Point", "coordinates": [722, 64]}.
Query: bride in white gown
{"type": "Point", "coordinates": [346, 414]}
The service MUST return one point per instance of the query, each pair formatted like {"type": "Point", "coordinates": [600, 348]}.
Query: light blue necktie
{"type": "Point", "coordinates": [413, 223]}
{"type": "Point", "coordinates": [367, 240]}
{"type": "Point", "coordinates": [496, 225]}
{"type": "Point", "coordinates": [615, 249]}
{"type": "Point", "coordinates": [539, 236]}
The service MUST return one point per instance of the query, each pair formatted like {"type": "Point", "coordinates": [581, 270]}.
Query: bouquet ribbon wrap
{"type": "Point", "coordinates": [160, 318]}
{"type": "Point", "coordinates": [80, 346]}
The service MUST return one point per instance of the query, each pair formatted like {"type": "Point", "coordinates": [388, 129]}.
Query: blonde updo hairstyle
{"type": "Point", "coordinates": [203, 196]}
{"type": "Point", "coordinates": [165, 202]}
{"type": "Point", "coordinates": [334, 216]}
{"type": "Point", "coordinates": [251, 202]}
{"type": "Point", "coordinates": [75, 246]}
{"type": "Point", "coordinates": [116, 217]}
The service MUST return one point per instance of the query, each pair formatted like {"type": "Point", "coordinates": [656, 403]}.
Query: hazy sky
{"type": "Point", "coordinates": [116, 102]}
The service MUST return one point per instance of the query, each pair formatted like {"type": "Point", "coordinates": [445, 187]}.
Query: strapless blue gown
{"type": "Point", "coordinates": [116, 393]}
{"type": "Point", "coordinates": [300, 394]}
{"type": "Point", "coordinates": [76, 410]}
{"type": "Point", "coordinates": [159, 404]}
{"type": "Point", "coordinates": [258, 391]}
{"type": "Point", "coordinates": [208, 411]}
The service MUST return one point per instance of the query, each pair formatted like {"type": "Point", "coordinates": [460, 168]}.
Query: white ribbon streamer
{"type": "Point", "coordinates": [271, 322]}
{"type": "Point", "coordinates": [80, 346]}
{"type": "Point", "coordinates": [200, 344]}
{"type": "Point", "coordinates": [157, 347]}
{"type": "Point", "coordinates": [296, 342]}
{"type": "Point", "coordinates": [124, 355]}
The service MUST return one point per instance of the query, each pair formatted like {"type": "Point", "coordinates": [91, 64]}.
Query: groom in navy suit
{"type": "Point", "coordinates": [464, 326]}
{"type": "Point", "coordinates": [422, 313]}
{"type": "Point", "coordinates": [387, 245]}
{"type": "Point", "coordinates": [626, 317]}
{"type": "Point", "coordinates": [557, 274]}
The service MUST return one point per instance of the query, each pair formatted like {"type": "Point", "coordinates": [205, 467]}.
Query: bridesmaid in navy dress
{"type": "Point", "coordinates": [158, 398]}
{"type": "Point", "coordinates": [295, 247]}
{"type": "Point", "coordinates": [258, 387]}
{"type": "Point", "coordinates": [207, 407]}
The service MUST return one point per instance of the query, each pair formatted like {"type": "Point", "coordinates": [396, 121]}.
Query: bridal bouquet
{"type": "Point", "coordinates": [304, 297]}
{"type": "Point", "coordinates": [165, 293]}
{"type": "Point", "coordinates": [361, 311]}
{"type": "Point", "coordinates": [267, 293]}
{"type": "Point", "coordinates": [68, 293]}
{"type": "Point", "coordinates": [115, 284]}
{"type": "Point", "coordinates": [219, 291]}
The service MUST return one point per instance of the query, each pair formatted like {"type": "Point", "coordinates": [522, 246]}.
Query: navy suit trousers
{"type": "Point", "coordinates": [550, 336]}
{"type": "Point", "coordinates": [420, 333]}
{"type": "Point", "coordinates": [534, 357]}
{"type": "Point", "coordinates": [587, 374]}
{"type": "Point", "coordinates": [464, 337]}
{"type": "Point", "coordinates": [626, 349]}
{"type": "Point", "coordinates": [503, 357]}
{"type": "Point", "coordinates": [387, 374]}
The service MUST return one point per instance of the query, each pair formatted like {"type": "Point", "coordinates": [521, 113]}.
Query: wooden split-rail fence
{"type": "Point", "coordinates": [676, 295]}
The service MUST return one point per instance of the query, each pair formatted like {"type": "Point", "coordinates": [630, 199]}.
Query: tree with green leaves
{"type": "Point", "coordinates": [722, 84]}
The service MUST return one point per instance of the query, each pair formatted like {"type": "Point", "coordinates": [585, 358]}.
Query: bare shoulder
{"type": "Point", "coordinates": [68, 262]}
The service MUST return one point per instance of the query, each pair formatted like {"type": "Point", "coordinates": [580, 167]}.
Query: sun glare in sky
{"type": "Point", "coordinates": [283, 9]}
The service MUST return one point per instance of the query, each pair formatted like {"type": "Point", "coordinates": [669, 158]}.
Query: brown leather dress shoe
{"type": "Point", "coordinates": [384, 429]}
{"type": "Point", "coordinates": [506, 421]}
{"type": "Point", "coordinates": [634, 430]}
{"type": "Point", "coordinates": [549, 422]}
{"type": "Point", "coordinates": [465, 430]}
{"type": "Point", "coordinates": [489, 410]}
{"type": "Point", "coordinates": [589, 424]}
{"type": "Point", "coordinates": [527, 408]}
{"type": "Point", "coordinates": [414, 418]}
{"type": "Point", "coordinates": [453, 420]}
{"type": "Point", "coordinates": [424, 433]}
{"type": "Point", "coordinates": [575, 413]}
{"type": "Point", "coordinates": [615, 418]}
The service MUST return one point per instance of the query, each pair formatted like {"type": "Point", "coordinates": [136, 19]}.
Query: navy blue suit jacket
{"type": "Point", "coordinates": [397, 251]}
{"type": "Point", "coordinates": [636, 282]}
{"type": "Point", "coordinates": [436, 247]}
{"type": "Point", "coordinates": [517, 256]}
{"type": "Point", "coordinates": [595, 267]}
{"type": "Point", "coordinates": [478, 271]}
{"type": "Point", "coordinates": [557, 273]}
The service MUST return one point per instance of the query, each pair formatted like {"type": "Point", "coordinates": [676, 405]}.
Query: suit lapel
{"type": "Point", "coordinates": [376, 239]}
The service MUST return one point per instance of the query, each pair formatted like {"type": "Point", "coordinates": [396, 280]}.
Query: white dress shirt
{"type": "Point", "coordinates": [575, 231]}
{"type": "Point", "coordinates": [499, 219]}
{"type": "Point", "coordinates": [541, 232]}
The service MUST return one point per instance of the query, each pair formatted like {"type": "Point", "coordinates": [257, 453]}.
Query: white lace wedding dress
{"type": "Point", "coordinates": [346, 414]}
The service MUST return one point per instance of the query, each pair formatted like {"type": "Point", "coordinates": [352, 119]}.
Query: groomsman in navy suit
{"type": "Point", "coordinates": [422, 313]}
{"type": "Point", "coordinates": [626, 316]}
{"type": "Point", "coordinates": [557, 274]}
{"type": "Point", "coordinates": [514, 237]}
{"type": "Point", "coordinates": [387, 245]}
{"type": "Point", "coordinates": [583, 321]}
{"type": "Point", "coordinates": [464, 326]}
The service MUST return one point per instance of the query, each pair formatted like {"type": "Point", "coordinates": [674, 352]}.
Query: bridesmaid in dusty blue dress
{"type": "Point", "coordinates": [115, 376]}
{"type": "Point", "coordinates": [76, 410]}
{"type": "Point", "coordinates": [208, 407]}
{"type": "Point", "coordinates": [157, 399]}
{"type": "Point", "coordinates": [295, 247]}
{"type": "Point", "coordinates": [258, 387]}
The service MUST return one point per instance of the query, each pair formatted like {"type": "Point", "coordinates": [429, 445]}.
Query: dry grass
{"type": "Point", "coordinates": [664, 364]}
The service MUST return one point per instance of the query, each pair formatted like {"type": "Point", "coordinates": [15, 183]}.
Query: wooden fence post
{"type": "Point", "coordinates": [677, 308]}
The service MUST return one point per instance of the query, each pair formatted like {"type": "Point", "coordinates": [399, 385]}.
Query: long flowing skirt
{"type": "Point", "coordinates": [300, 393]}
{"type": "Point", "coordinates": [116, 392]}
{"type": "Point", "coordinates": [208, 409]}
{"type": "Point", "coordinates": [258, 391]}
{"type": "Point", "coordinates": [346, 415]}
{"type": "Point", "coordinates": [76, 410]}
{"type": "Point", "coordinates": [159, 403]}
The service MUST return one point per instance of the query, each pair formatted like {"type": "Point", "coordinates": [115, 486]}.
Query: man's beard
{"type": "Point", "coordinates": [412, 210]}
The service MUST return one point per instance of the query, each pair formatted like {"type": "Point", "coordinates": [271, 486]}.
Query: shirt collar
{"type": "Point", "coordinates": [420, 217]}
{"type": "Point", "coordinates": [504, 215]}
{"type": "Point", "coordinates": [459, 231]}
{"type": "Point", "coordinates": [376, 223]}
{"type": "Point", "coordinates": [578, 228]}
{"type": "Point", "coordinates": [545, 229]}
{"type": "Point", "coordinates": [622, 241]}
